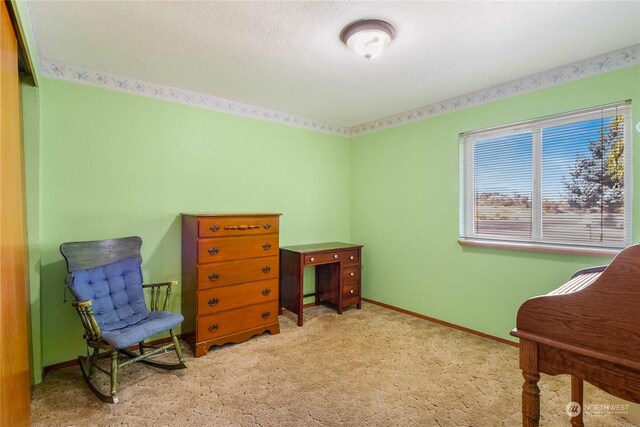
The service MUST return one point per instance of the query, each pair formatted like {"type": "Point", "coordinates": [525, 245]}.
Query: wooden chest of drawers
{"type": "Point", "coordinates": [230, 266]}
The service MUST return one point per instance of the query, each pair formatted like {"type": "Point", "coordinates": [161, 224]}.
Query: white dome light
{"type": "Point", "coordinates": [368, 37]}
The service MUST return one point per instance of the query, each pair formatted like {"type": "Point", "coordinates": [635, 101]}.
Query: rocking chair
{"type": "Point", "coordinates": [106, 280]}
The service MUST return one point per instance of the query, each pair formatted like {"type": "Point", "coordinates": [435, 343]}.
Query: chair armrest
{"type": "Point", "coordinates": [155, 294]}
{"type": "Point", "coordinates": [91, 327]}
{"type": "Point", "coordinates": [81, 304]}
{"type": "Point", "coordinates": [151, 285]}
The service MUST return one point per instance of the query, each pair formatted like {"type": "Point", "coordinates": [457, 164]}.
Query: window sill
{"type": "Point", "coordinates": [538, 247]}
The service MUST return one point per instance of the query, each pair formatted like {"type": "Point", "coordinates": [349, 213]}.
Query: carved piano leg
{"type": "Point", "coordinates": [530, 400]}
{"type": "Point", "coordinates": [530, 389]}
{"type": "Point", "coordinates": [576, 396]}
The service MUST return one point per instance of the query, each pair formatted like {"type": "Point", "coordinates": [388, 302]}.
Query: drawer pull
{"type": "Point", "coordinates": [213, 301]}
{"type": "Point", "coordinates": [214, 276]}
{"type": "Point", "coordinates": [351, 274]}
{"type": "Point", "coordinates": [351, 257]}
{"type": "Point", "coordinates": [266, 246]}
{"type": "Point", "coordinates": [312, 259]}
{"type": "Point", "coordinates": [267, 226]}
{"type": "Point", "coordinates": [214, 228]}
{"type": "Point", "coordinates": [213, 327]}
{"type": "Point", "coordinates": [351, 291]}
{"type": "Point", "coordinates": [266, 269]}
{"type": "Point", "coordinates": [241, 227]}
{"type": "Point", "coordinates": [266, 291]}
{"type": "Point", "coordinates": [213, 251]}
{"type": "Point", "coordinates": [335, 256]}
{"type": "Point", "coordinates": [266, 314]}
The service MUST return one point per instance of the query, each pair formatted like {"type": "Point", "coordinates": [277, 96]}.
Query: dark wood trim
{"type": "Point", "coordinates": [443, 323]}
{"type": "Point", "coordinates": [75, 361]}
{"type": "Point", "coordinates": [28, 77]}
{"type": "Point", "coordinates": [60, 365]}
{"type": "Point", "coordinates": [533, 247]}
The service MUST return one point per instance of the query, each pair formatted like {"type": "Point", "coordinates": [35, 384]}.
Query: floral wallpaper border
{"type": "Point", "coordinates": [60, 71]}
{"type": "Point", "coordinates": [609, 62]}
{"type": "Point", "coordinates": [601, 64]}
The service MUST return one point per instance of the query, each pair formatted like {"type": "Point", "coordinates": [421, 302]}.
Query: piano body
{"type": "Point", "coordinates": [588, 328]}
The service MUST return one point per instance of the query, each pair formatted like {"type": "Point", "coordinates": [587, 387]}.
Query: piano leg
{"type": "Point", "coordinates": [530, 400]}
{"type": "Point", "coordinates": [576, 396]}
{"type": "Point", "coordinates": [530, 389]}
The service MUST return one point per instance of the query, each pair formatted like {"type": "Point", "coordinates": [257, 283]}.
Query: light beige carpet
{"type": "Point", "coordinates": [369, 367]}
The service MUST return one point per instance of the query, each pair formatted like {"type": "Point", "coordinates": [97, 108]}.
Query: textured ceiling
{"type": "Point", "coordinates": [287, 57]}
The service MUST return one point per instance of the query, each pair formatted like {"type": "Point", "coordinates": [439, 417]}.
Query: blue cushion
{"type": "Point", "coordinates": [115, 291]}
{"type": "Point", "coordinates": [156, 322]}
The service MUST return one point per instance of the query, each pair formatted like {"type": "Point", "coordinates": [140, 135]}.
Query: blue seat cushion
{"type": "Point", "coordinates": [156, 322]}
{"type": "Point", "coordinates": [115, 291]}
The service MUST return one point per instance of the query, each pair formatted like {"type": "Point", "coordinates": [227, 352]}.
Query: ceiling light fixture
{"type": "Point", "coordinates": [368, 37]}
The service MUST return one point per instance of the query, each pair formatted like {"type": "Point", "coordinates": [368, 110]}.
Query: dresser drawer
{"type": "Point", "coordinates": [230, 248]}
{"type": "Point", "coordinates": [351, 274]}
{"type": "Point", "coordinates": [350, 290]}
{"type": "Point", "coordinates": [232, 272]}
{"type": "Point", "coordinates": [237, 226]}
{"type": "Point", "coordinates": [216, 300]}
{"type": "Point", "coordinates": [233, 321]}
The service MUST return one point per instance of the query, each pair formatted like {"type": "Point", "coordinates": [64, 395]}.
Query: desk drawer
{"type": "Point", "coordinates": [346, 302]}
{"type": "Point", "coordinates": [226, 248]}
{"type": "Point", "coordinates": [351, 274]}
{"type": "Point", "coordinates": [351, 257]}
{"type": "Point", "coordinates": [231, 272]}
{"type": "Point", "coordinates": [237, 226]}
{"type": "Point", "coordinates": [219, 299]}
{"type": "Point", "coordinates": [350, 290]}
{"type": "Point", "coordinates": [238, 320]}
{"type": "Point", "coordinates": [323, 258]}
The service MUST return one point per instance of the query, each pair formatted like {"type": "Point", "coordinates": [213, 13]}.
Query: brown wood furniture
{"type": "Point", "coordinates": [15, 391]}
{"type": "Point", "coordinates": [588, 328]}
{"type": "Point", "coordinates": [337, 275]}
{"type": "Point", "coordinates": [229, 278]}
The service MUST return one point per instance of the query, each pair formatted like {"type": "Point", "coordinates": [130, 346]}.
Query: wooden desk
{"type": "Point", "coordinates": [337, 275]}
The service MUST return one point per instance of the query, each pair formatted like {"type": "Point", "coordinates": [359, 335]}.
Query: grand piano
{"type": "Point", "coordinates": [588, 328]}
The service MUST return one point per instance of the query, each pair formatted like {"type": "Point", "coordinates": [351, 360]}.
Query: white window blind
{"type": "Point", "coordinates": [562, 180]}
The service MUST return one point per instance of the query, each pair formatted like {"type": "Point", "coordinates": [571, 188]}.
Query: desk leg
{"type": "Point", "coordinates": [317, 288]}
{"type": "Point", "coordinates": [291, 272]}
{"type": "Point", "coordinates": [300, 280]}
{"type": "Point", "coordinates": [280, 297]}
{"type": "Point", "coordinates": [530, 389]}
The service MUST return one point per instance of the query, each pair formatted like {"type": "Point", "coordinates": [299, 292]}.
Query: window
{"type": "Point", "coordinates": [558, 181]}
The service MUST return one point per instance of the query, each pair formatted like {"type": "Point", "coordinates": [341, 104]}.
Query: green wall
{"type": "Point", "coordinates": [103, 164]}
{"type": "Point", "coordinates": [114, 164]}
{"type": "Point", "coordinates": [404, 209]}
